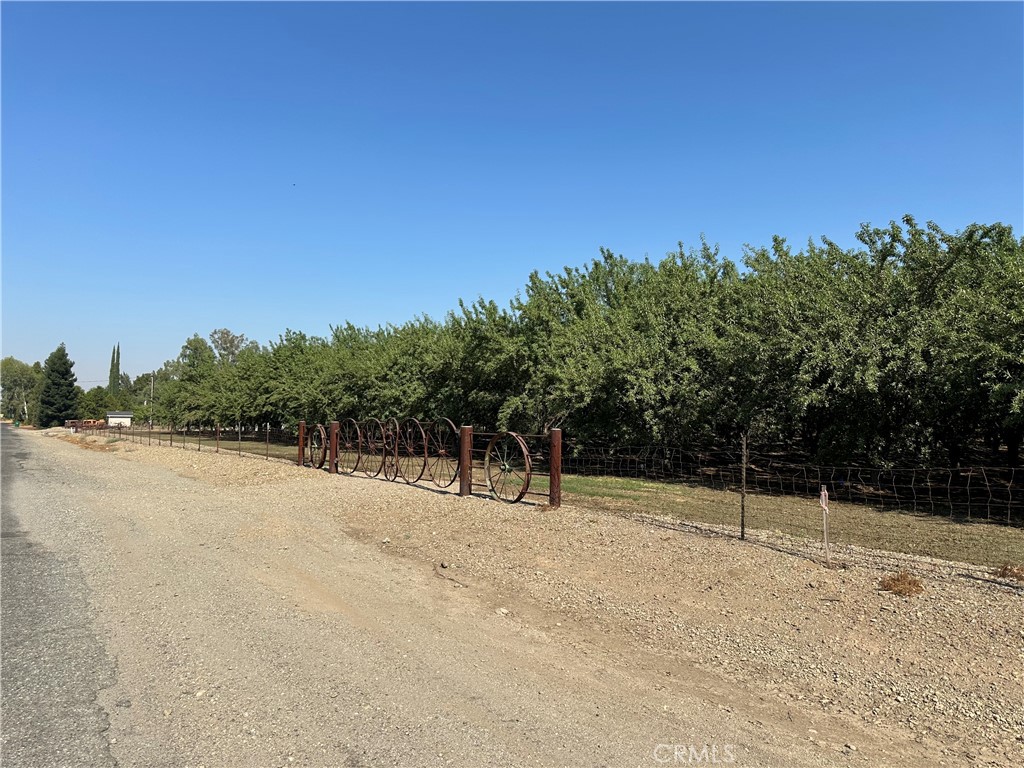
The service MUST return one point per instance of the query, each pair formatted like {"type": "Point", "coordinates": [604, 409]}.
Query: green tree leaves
{"type": "Point", "coordinates": [20, 384]}
{"type": "Point", "coordinates": [58, 398]}
{"type": "Point", "coordinates": [114, 380]}
{"type": "Point", "coordinates": [909, 349]}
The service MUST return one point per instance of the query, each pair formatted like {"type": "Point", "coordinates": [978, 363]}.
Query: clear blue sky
{"type": "Point", "coordinates": [174, 168]}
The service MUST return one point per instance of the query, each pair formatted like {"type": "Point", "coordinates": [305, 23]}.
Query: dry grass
{"type": "Point", "coordinates": [903, 584]}
{"type": "Point", "coordinates": [979, 541]}
{"type": "Point", "coordinates": [1008, 571]}
{"type": "Point", "coordinates": [90, 445]}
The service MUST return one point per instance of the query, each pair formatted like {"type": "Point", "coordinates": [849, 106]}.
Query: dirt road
{"type": "Point", "coordinates": [254, 613]}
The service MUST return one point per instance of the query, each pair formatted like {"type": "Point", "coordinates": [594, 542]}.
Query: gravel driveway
{"type": "Point", "coordinates": [262, 614]}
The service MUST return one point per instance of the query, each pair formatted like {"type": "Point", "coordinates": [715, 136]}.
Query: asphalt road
{"type": "Point", "coordinates": [156, 619]}
{"type": "Point", "coordinates": [53, 662]}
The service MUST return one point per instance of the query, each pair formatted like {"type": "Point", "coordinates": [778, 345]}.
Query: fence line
{"type": "Point", "coordinates": [989, 493]}
{"type": "Point", "coordinates": [506, 465]}
{"type": "Point", "coordinates": [259, 440]}
{"type": "Point", "coordinates": [513, 467]}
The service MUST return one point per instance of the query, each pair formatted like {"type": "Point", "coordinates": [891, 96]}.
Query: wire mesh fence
{"type": "Point", "coordinates": [989, 493]}
{"type": "Point", "coordinates": [262, 440]}
{"type": "Point", "coordinates": [966, 514]}
{"type": "Point", "coordinates": [963, 514]}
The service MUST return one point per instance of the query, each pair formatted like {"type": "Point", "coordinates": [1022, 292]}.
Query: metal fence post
{"type": "Point", "coordinates": [743, 490]}
{"type": "Point", "coordinates": [824, 523]}
{"type": "Point", "coordinates": [465, 461]}
{"type": "Point", "coordinates": [333, 468]}
{"type": "Point", "coordinates": [555, 482]}
{"type": "Point", "coordinates": [302, 441]}
{"type": "Point", "coordinates": [217, 449]}
{"type": "Point", "coordinates": [267, 438]}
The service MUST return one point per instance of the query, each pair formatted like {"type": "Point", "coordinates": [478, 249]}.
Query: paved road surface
{"type": "Point", "coordinates": [53, 662]}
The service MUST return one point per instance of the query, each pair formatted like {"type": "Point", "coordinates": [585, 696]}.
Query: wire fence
{"type": "Point", "coordinates": [255, 440]}
{"type": "Point", "coordinates": [988, 493]}
{"type": "Point", "coordinates": [963, 514]}
{"type": "Point", "coordinates": [967, 515]}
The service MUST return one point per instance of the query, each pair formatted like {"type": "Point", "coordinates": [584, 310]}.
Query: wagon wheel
{"type": "Point", "coordinates": [348, 447]}
{"type": "Point", "coordinates": [317, 446]}
{"type": "Point", "coordinates": [371, 448]}
{"type": "Point", "coordinates": [412, 451]}
{"type": "Point", "coordinates": [507, 467]}
{"type": "Point", "coordinates": [391, 449]}
{"type": "Point", "coordinates": [443, 454]}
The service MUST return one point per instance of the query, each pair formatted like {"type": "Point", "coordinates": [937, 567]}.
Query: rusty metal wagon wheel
{"type": "Point", "coordinates": [391, 449]}
{"type": "Point", "coordinates": [443, 453]}
{"type": "Point", "coordinates": [412, 451]}
{"type": "Point", "coordinates": [371, 453]}
{"type": "Point", "coordinates": [348, 447]}
{"type": "Point", "coordinates": [317, 446]}
{"type": "Point", "coordinates": [507, 467]}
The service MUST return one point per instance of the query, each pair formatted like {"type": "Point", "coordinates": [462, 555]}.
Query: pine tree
{"type": "Point", "coordinates": [58, 400]}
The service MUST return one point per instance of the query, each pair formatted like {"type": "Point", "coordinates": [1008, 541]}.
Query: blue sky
{"type": "Point", "coordinates": [262, 166]}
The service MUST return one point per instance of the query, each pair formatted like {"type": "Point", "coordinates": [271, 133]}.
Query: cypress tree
{"type": "Point", "coordinates": [113, 375]}
{"type": "Point", "coordinates": [58, 400]}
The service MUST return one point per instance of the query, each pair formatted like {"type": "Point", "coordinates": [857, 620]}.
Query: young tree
{"type": "Point", "coordinates": [58, 398]}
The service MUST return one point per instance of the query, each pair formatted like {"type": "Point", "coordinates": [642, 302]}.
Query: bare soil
{"type": "Point", "coordinates": [762, 627]}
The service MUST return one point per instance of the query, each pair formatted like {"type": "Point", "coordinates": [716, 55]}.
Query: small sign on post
{"type": "Point", "coordinates": [823, 500]}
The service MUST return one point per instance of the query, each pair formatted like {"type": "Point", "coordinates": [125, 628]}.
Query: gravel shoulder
{"type": "Point", "coordinates": [264, 613]}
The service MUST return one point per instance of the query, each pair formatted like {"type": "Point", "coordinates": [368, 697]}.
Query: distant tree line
{"type": "Point", "coordinates": [908, 349]}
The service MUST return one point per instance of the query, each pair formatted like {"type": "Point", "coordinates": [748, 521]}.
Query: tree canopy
{"type": "Point", "coordinates": [906, 349]}
{"type": "Point", "coordinates": [20, 384]}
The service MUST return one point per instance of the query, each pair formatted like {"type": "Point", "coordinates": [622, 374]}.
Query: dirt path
{"type": "Point", "coordinates": [264, 614]}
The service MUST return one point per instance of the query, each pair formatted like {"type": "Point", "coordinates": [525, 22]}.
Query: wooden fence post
{"type": "Point", "coordinates": [302, 442]}
{"type": "Point", "coordinates": [333, 468]}
{"type": "Point", "coordinates": [555, 482]}
{"type": "Point", "coordinates": [465, 461]}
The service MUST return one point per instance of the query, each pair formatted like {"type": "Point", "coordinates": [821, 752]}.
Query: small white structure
{"type": "Point", "coordinates": [119, 418]}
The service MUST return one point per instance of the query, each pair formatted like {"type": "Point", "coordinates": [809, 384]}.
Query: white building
{"type": "Point", "coordinates": [119, 418]}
